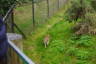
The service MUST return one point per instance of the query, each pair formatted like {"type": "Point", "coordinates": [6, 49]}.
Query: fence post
{"type": "Point", "coordinates": [12, 21]}
{"type": "Point", "coordinates": [58, 4]}
{"type": "Point", "coordinates": [48, 12]}
{"type": "Point", "coordinates": [33, 13]}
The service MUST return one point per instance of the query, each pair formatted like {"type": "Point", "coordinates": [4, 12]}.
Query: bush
{"type": "Point", "coordinates": [85, 41]}
{"type": "Point", "coordinates": [78, 9]}
{"type": "Point", "coordinates": [4, 5]}
{"type": "Point", "coordinates": [82, 62]}
{"type": "Point", "coordinates": [81, 41]}
{"type": "Point", "coordinates": [82, 55]}
{"type": "Point", "coordinates": [82, 9]}
{"type": "Point", "coordinates": [93, 3]}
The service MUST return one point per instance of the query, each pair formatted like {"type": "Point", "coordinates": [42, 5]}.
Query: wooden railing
{"type": "Point", "coordinates": [8, 19]}
{"type": "Point", "coordinates": [16, 56]}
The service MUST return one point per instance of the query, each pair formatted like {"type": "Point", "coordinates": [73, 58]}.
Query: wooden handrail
{"type": "Point", "coordinates": [10, 11]}
{"type": "Point", "coordinates": [20, 53]}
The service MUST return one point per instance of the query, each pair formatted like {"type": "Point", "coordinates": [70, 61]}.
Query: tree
{"type": "Point", "coordinates": [77, 9]}
{"type": "Point", "coordinates": [82, 9]}
{"type": "Point", "coordinates": [5, 4]}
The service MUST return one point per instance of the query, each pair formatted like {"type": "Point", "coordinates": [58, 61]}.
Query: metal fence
{"type": "Point", "coordinates": [45, 9]}
{"type": "Point", "coordinates": [14, 55]}
{"type": "Point", "coordinates": [37, 13]}
{"type": "Point", "coordinates": [8, 19]}
{"type": "Point", "coordinates": [41, 10]}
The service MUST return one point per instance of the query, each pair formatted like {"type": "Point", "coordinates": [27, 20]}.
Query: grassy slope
{"type": "Point", "coordinates": [63, 47]}
{"type": "Point", "coordinates": [31, 44]}
{"type": "Point", "coordinates": [23, 18]}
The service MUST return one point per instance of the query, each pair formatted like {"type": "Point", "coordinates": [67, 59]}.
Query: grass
{"type": "Point", "coordinates": [23, 15]}
{"type": "Point", "coordinates": [30, 43]}
{"type": "Point", "coordinates": [23, 18]}
{"type": "Point", "coordinates": [24, 23]}
{"type": "Point", "coordinates": [64, 46]}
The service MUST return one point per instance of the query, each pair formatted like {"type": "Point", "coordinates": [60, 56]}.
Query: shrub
{"type": "Point", "coordinates": [57, 46]}
{"type": "Point", "coordinates": [82, 62]}
{"type": "Point", "coordinates": [82, 9]}
{"type": "Point", "coordinates": [81, 41]}
{"type": "Point", "coordinates": [82, 55]}
{"type": "Point", "coordinates": [78, 9]}
{"type": "Point", "coordinates": [71, 51]}
{"type": "Point", "coordinates": [85, 41]}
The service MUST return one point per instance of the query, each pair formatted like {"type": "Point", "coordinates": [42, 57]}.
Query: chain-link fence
{"type": "Point", "coordinates": [36, 14]}
{"type": "Point", "coordinates": [45, 9]}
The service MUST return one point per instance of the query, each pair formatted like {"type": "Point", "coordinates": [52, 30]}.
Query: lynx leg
{"type": "Point", "coordinates": [45, 45]}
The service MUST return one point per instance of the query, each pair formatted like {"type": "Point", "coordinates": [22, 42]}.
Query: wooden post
{"type": "Point", "coordinates": [19, 53]}
{"type": "Point", "coordinates": [48, 12]}
{"type": "Point", "coordinates": [12, 22]}
{"type": "Point", "coordinates": [33, 13]}
{"type": "Point", "coordinates": [19, 30]}
{"type": "Point", "coordinates": [58, 4]}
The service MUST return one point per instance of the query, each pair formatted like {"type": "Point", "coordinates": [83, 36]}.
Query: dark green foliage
{"type": "Point", "coordinates": [4, 5]}
{"type": "Point", "coordinates": [85, 41]}
{"type": "Point", "coordinates": [93, 3]}
{"type": "Point", "coordinates": [82, 41]}
{"type": "Point", "coordinates": [57, 45]}
{"type": "Point", "coordinates": [78, 9]}
{"type": "Point", "coordinates": [82, 62]}
{"type": "Point", "coordinates": [82, 9]}
{"type": "Point", "coordinates": [71, 51]}
{"type": "Point", "coordinates": [82, 48]}
{"type": "Point", "coordinates": [82, 55]}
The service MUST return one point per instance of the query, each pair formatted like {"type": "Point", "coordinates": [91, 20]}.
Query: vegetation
{"type": "Point", "coordinates": [4, 5]}
{"type": "Point", "coordinates": [35, 42]}
{"type": "Point", "coordinates": [65, 46]}
{"type": "Point", "coordinates": [25, 23]}
{"type": "Point", "coordinates": [93, 4]}
{"type": "Point", "coordinates": [72, 36]}
{"type": "Point", "coordinates": [82, 9]}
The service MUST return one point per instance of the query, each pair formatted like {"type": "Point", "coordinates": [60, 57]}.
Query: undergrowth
{"type": "Point", "coordinates": [64, 46]}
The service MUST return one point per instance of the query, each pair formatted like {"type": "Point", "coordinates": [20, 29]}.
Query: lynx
{"type": "Point", "coordinates": [46, 40]}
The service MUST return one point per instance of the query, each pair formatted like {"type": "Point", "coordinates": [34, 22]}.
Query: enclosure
{"type": "Point", "coordinates": [52, 32]}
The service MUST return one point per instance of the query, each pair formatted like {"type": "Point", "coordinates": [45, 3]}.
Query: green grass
{"type": "Point", "coordinates": [23, 15]}
{"type": "Point", "coordinates": [23, 18]}
{"type": "Point", "coordinates": [32, 42]}
{"type": "Point", "coordinates": [64, 46]}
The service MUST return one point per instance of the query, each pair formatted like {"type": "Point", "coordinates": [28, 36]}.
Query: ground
{"type": "Point", "coordinates": [64, 46]}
